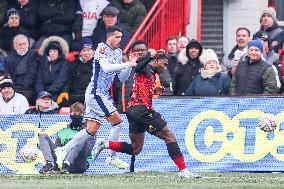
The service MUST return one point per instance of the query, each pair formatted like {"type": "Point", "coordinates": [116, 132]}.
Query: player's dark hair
{"type": "Point", "coordinates": [112, 29]}
{"type": "Point", "coordinates": [139, 42]}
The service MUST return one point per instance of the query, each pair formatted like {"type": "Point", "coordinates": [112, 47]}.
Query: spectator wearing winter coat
{"type": "Point", "coordinates": [28, 16]}
{"type": "Point", "coordinates": [10, 29]}
{"type": "Point", "coordinates": [22, 65]}
{"type": "Point", "coordinates": [132, 13]}
{"type": "Point", "coordinates": [253, 74]}
{"type": "Point", "coordinates": [53, 68]}
{"type": "Point", "coordinates": [44, 105]}
{"type": "Point", "coordinates": [109, 19]}
{"type": "Point", "coordinates": [188, 67]}
{"type": "Point", "coordinates": [230, 60]}
{"type": "Point", "coordinates": [181, 43]}
{"type": "Point", "coordinates": [211, 82]}
{"type": "Point", "coordinates": [80, 74]}
{"type": "Point", "coordinates": [268, 23]}
{"type": "Point", "coordinates": [57, 18]}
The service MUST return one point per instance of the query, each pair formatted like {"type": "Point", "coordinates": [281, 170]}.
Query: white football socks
{"type": "Point", "coordinates": [114, 136]}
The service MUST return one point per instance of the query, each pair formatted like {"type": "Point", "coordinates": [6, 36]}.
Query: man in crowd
{"type": "Point", "coordinates": [21, 63]}
{"type": "Point", "coordinates": [230, 60]}
{"type": "Point", "coordinates": [187, 68]}
{"type": "Point", "coordinates": [109, 19]}
{"type": "Point", "coordinates": [182, 41]}
{"type": "Point", "coordinates": [253, 74]}
{"type": "Point", "coordinates": [11, 103]}
{"type": "Point", "coordinates": [268, 23]}
{"type": "Point", "coordinates": [44, 104]}
{"type": "Point", "coordinates": [80, 74]}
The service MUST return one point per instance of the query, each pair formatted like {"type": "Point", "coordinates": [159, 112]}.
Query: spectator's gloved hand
{"type": "Point", "coordinates": [61, 97]}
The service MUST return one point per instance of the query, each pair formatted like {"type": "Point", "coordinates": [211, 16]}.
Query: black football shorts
{"type": "Point", "coordinates": [142, 119]}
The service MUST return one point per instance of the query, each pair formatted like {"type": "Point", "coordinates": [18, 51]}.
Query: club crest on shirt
{"type": "Point", "coordinates": [102, 50]}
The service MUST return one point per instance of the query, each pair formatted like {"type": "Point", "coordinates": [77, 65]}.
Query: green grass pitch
{"type": "Point", "coordinates": [144, 180]}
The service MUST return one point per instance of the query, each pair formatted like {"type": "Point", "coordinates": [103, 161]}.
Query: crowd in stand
{"type": "Point", "coordinates": [47, 47]}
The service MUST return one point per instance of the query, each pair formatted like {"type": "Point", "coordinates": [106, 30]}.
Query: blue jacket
{"type": "Point", "coordinates": [218, 85]}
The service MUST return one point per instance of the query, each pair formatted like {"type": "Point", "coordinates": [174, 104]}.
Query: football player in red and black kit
{"type": "Point", "coordinates": [141, 114]}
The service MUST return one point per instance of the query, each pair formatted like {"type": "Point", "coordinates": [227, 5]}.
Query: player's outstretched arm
{"type": "Point", "coordinates": [124, 74]}
{"type": "Point", "coordinates": [112, 67]}
{"type": "Point", "coordinates": [142, 64]}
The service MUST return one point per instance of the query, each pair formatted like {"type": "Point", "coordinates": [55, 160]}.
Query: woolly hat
{"type": "Point", "coordinates": [256, 43]}
{"type": "Point", "coordinates": [208, 55]}
{"type": "Point", "coordinates": [269, 11]}
{"type": "Point", "coordinates": [12, 11]}
{"type": "Point", "coordinates": [6, 82]}
{"type": "Point", "coordinates": [86, 43]}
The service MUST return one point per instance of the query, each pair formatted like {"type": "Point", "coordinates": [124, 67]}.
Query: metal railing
{"type": "Point", "coordinates": [165, 18]}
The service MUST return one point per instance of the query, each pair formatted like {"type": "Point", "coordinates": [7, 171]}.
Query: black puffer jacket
{"type": "Point", "coordinates": [52, 75]}
{"type": "Point", "coordinates": [28, 17]}
{"type": "Point", "coordinates": [79, 76]}
{"type": "Point", "coordinates": [186, 69]}
{"type": "Point", "coordinates": [56, 17]}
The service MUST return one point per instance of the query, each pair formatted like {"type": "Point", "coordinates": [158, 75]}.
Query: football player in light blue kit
{"type": "Point", "coordinates": [99, 105]}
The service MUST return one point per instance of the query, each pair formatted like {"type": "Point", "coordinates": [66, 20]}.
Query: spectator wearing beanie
{"type": "Point", "coordinates": [80, 74]}
{"type": "Point", "coordinates": [53, 67]}
{"type": "Point", "coordinates": [28, 15]}
{"type": "Point", "coordinates": [188, 67]}
{"type": "Point", "coordinates": [10, 29]}
{"type": "Point", "coordinates": [11, 103]}
{"type": "Point", "coordinates": [253, 74]}
{"type": "Point", "coordinates": [211, 82]}
{"type": "Point", "coordinates": [268, 23]}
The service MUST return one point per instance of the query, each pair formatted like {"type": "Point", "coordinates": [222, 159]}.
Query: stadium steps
{"type": "Point", "coordinates": [212, 26]}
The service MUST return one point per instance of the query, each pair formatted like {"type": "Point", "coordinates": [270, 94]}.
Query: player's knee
{"type": "Point", "coordinates": [92, 127]}
{"type": "Point", "coordinates": [92, 131]}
